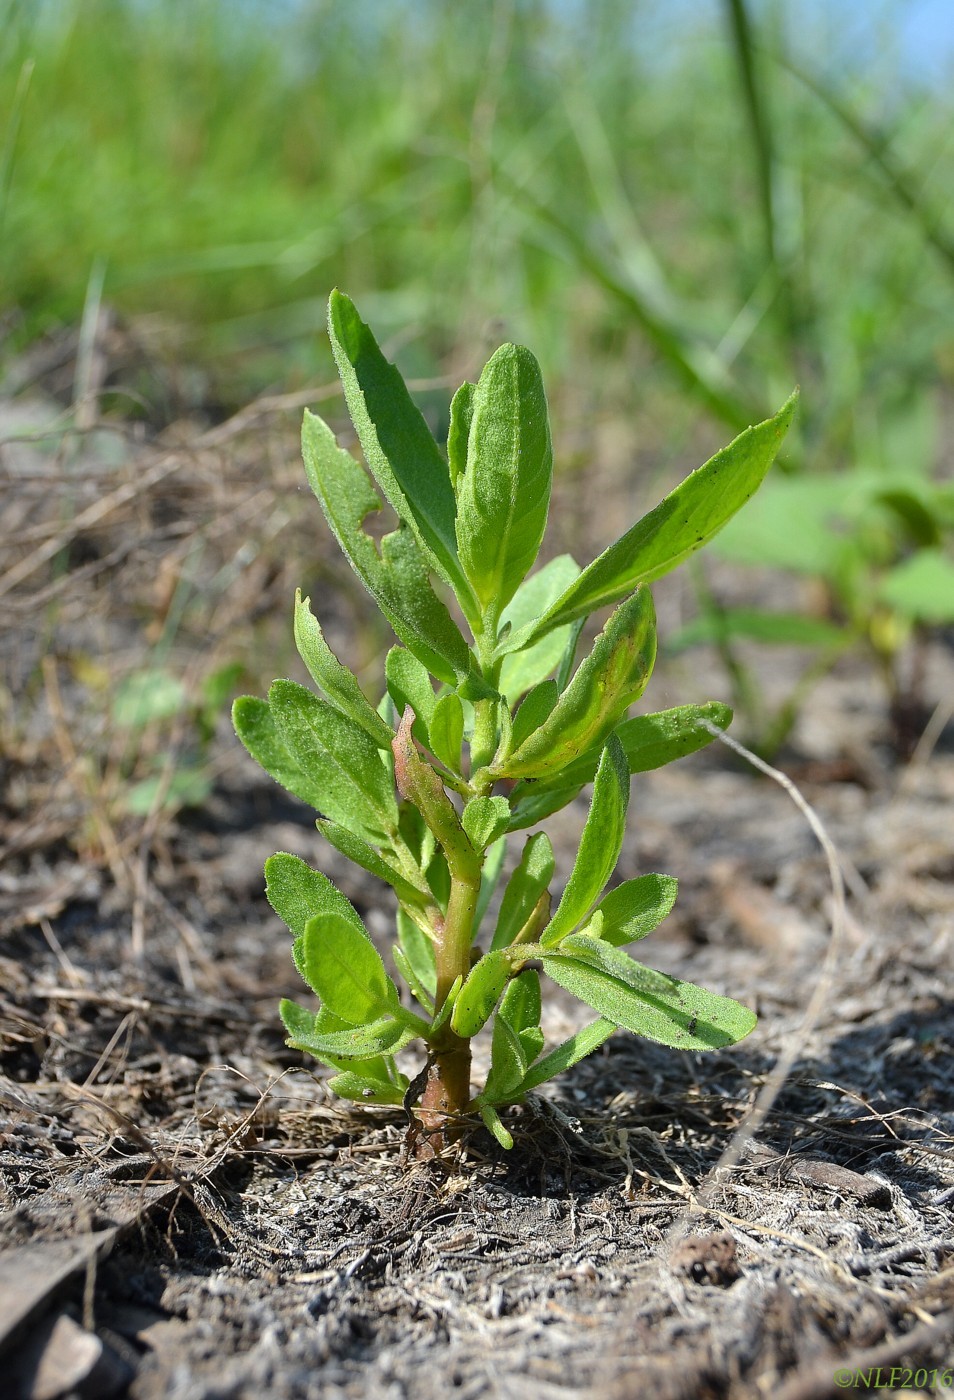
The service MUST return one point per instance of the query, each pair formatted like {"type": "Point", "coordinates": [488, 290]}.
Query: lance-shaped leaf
{"type": "Point", "coordinates": [480, 994]}
{"type": "Point", "coordinates": [301, 1022]}
{"type": "Point", "coordinates": [409, 683]}
{"type": "Point", "coordinates": [525, 886]}
{"type": "Point", "coordinates": [334, 680]}
{"type": "Point", "coordinates": [397, 577]}
{"type": "Point", "coordinates": [446, 730]}
{"type": "Point", "coordinates": [353, 1085]}
{"type": "Point", "coordinates": [523, 669]}
{"type": "Point", "coordinates": [644, 1001]}
{"type": "Point", "coordinates": [297, 893]}
{"type": "Point", "coordinates": [508, 1062]}
{"type": "Point", "coordinates": [494, 1126]}
{"type": "Point", "coordinates": [408, 884]}
{"type": "Point", "coordinates": [521, 1008]}
{"type": "Point", "coordinates": [537, 705]}
{"type": "Point", "coordinates": [600, 844]}
{"type": "Point", "coordinates": [384, 1036]}
{"type": "Point", "coordinates": [683, 522]}
{"type": "Point", "coordinates": [489, 878]}
{"type": "Point", "coordinates": [605, 684]}
{"type": "Point", "coordinates": [345, 970]}
{"type": "Point", "coordinates": [397, 443]}
{"type": "Point", "coordinates": [649, 741]}
{"type": "Point", "coordinates": [461, 414]}
{"type": "Point", "coordinates": [633, 909]}
{"type": "Point", "coordinates": [504, 495]}
{"type": "Point", "coordinates": [564, 1056]}
{"type": "Point", "coordinates": [342, 759]}
{"type": "Point", "coordinates": [256, 726]}
{"type": "Point", "coordinates": [415, 960]}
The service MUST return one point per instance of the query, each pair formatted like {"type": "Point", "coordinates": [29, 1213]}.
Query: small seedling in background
{"type": "Point", "coordinates": [879, 541]}
{"type": "Point", "coordinates": [478, 739]}
{"type": "Point", "coordinates": [145, 704]}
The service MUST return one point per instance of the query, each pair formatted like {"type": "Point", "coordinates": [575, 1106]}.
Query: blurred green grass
{"type": "Point", "coordinates": [676, 228]}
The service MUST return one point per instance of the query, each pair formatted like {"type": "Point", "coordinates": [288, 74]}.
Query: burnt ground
{"type": "Point", "coordinates": [188, 1214]}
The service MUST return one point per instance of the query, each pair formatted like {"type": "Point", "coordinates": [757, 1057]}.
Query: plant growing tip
{"type": "Point", "coordinates": [417, 804]}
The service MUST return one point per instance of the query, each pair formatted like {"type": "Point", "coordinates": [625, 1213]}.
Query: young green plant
{"type": "Point", "coordinates": [476, 739]}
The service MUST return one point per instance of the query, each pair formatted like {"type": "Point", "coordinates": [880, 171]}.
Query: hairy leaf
{"type": "Point", "coordinates": [256, 726]}
{"type": "Point", "coordinates": [397, 577]}
{"type": "Point", "coordinates": [352, 1085]}
{"type": "Point", "coordinates": [649, 741]}
{"type": "Point", "coordinates": [334, 680]}
{"type": "Point", "coordinates": [383, 1036]}
{"type": "Point", "coordinates": [345, 970]}
{"type": "Point", "coordinates": [683, 522]}
{"type": "Point", "coordinates": [409, 886]}
{"type": "Point", "coordinates": [605, 684]}
{"type": "Point", "coordinates": [446, 730]}
{"type": "Point", "coordinates": [576, 1048]}
{"type": "Point", "coordinates": [461, 414]}
{"type": "Point", "coordinates": [397, 443]}
{"type": "Point", "coordinates": [504, 494]}
{"type": "Point", "coordinates": [339, 756]}
{"type": "Point", "coordinates": [633, 909]}
{"type": "Point", "coordinates": [524, 888]}
{"type": "Point", "coordinates": [480, 994]}
{"type": "Point", "coordinates": [644, 1001]}
{"type": "Point", "coordinates": [600, 844]}
{"type": "Point", "coordinates": [484, 819]}
{"type": "Point", "coordinates": [522, 669]}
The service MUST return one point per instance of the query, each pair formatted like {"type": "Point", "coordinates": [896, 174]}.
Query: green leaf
{"type": "Point", "coordinates": [600, 844]}
{"type": "Point", "coordinates": [377, 1067]}
{"type": "Point", "coordinates": [461, 414]}
{"type": "Point", "coordinates": [520, 1008]}
{"type": "Point", "coordinates": [522, 669]}
{"type": "Point", "coordinates": [446, 730]}
{"type": "Point", "coordinates": [409, 886]}
{"type": "Point", "coordinates": [489, 878]}
{"type": "Point", "coordinates": [604, 686]}
{"type": "Point", "coordinates": [397, 577]}
{"type": "Point", "coordinates": [508, 1062]}
{"type": "Point", "coordinates": [494, 1126]}
{"type": "Point", "coordinates": [536, 707]}
{"type": "Point", "coordinates": [524, 888]}
{"type": "Point", "coordinates": [480, 994]}
{"type": "Point", "coordinates": [576, 1048]}
{"type": "Point", "coordinates": [255, 725]}
{"type": "Point", "coordinates": [351, 1085]}
{"type": "Point", "coordinates": [634, 909]}
{"type": "Point", "coordinates": [485, 819]}
{"type": "Point", "coordinates": [644, 1001]}
{"type": "Point", "coordinates": [297, 893]}
{"type": "Point", "coordinates": [683, 522]}
{"type": "Point", "coordinates": [334, 680]}
{"type": "Point", "coordinates": [383, 1036]}
{"type": "Point", "coordinates": [418, 951]}
{"type": "Point", "coordinates": [339, 756]}
{"type": "Point", "coordinates": [504, 494]}
{"type": "Point", "coordinates": [398, 447]}
{"type": "Point", "coordinates": [649, 741]}
{"type": "Point", "coordinates": [409, 683]}
{"type": "Point", "coordinates": [922, 588]}
{"type": "Point", "coordinates": [345, 970]}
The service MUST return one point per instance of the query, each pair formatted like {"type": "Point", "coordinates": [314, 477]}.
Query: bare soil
{"type": "Point", "coordinates": [188, 1214]}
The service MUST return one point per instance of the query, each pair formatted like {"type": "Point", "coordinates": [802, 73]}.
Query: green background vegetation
{"type": "Point", "coordinates": [683, 209]}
